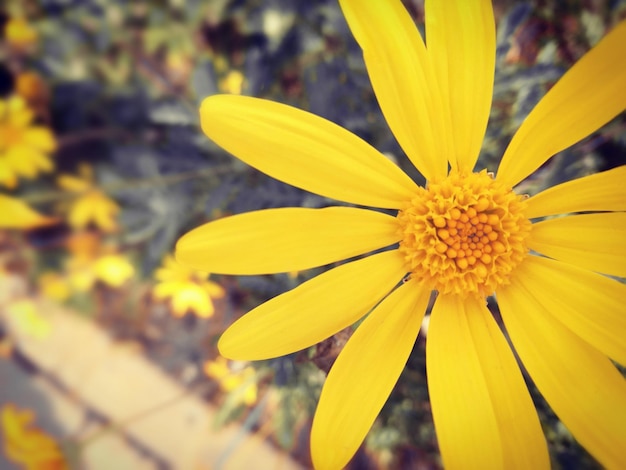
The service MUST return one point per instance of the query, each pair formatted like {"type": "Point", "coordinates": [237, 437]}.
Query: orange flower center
{"type": "Point", "coordinates": [465, 234]}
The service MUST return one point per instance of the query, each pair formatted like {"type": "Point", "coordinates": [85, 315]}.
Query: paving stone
{"type": "Point", "coordinates": [61, 417]}
{"type": "Point", "coordinates": [118, 382]}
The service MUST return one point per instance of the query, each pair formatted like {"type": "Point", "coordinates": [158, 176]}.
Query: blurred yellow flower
{"type": "Point", "coordinates": [465, 235]}
{"type": "Point", "coordinates": [24, 148]}
{"type": "Point", "coordinates": [19, 33]}
{"type": "Point", "coordinates": [233, 82]}
{"type": "Point", "coordinates": [113, 269]}
{"type": "Point", "coordinates": [234, 378]}
{"type": "Point", "coordinates": [90, 261]}
{"type": "Point", "coordinates": [54, 286]}
{"type": "Point", "coordinates": [180, 65]}
{"type": "Point", "coordinates": [188, 289]}
{"type": "Point", "coordinates": [27, 445]}
{"type": "Point", "coordinates": [17, 214]}
{"type": "Point", "coordinates": [91, 205]}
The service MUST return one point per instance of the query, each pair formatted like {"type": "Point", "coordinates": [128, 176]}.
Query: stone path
{"type": "Point", "coordinates": [94, 373]}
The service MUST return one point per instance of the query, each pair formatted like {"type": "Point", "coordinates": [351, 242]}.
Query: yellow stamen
{"type": "Point", "coordinates": [464, 235]}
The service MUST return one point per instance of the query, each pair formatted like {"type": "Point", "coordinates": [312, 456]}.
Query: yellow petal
{"type": "Point", "coordinates": [588, 96]}
{"type": "Point", "coordinates": [104, 211]}
{"type": "Point", "coordinates": [17, 214]}
{"type": "Point", "coordinates": [80, 213]}
{"type": "Point", "coordinates": [28, 161]}
{"type": "Point", "coordinates": [18, 113]}
{"type": "Point", "coordinates": [403, 80]}
{"type": "Point", "coordinates": [364, 374]}
{"type": "Point", "coordinates": [591, 241]}
{"type": "Point", "coordinates": [581, 385]}
{"type": "Point", "coordinates": [40, 138]}
{"type": "Point", "coordinates": [604, 191]}
{"type": "Point", "coordinates": [304, 150]}
{"type": "Point", "coordinates": [217, 369]}
{"type": "Point", "coordinates": [164, 290]}
{"type": "Point", "coordinates": [54, 285]}
{"type": "Point", "coordinates": [114, 270]}
{"type": "Point", "coordinates": [82, 279]}
{"type": "Point", "coordinates": [483, 413]}
{"type": "Point", "coordinates": [590, 305]}
{"type": "Point", "coordinates": [313, 311]}
{"type": "Point", "coordinates": [8, 178]}
{"type": "Point", "coordinates": [73, 183]}
{"type": "Point", "coordinates": [19, 33]}
{"type": "Point", "coordinates": [286, 239]}
{"type": "Point", "coordinates": [461, 42]}
{"type": "Point", "coordinates": [192, 297]}
{"type": "Point", "coordinates": [105, 221]}
{"type": "Point", "coordinates": [214, 290]}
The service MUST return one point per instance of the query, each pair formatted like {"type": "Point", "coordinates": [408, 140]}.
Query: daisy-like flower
{"type": "Point", "coordinates": [55, 286]}
{"type": "Point", "coordinates": [188, 289]}
{"type": "Point", "coordinates": [27, 445]}
{"type": "Point", "coordinates": [24, 148]}
{"type": "Point", "coordinates": [20, 34]}
{"type": "Point", "coordinates": [90, 262]}
{"type": "Point", "coordinates": [92, 205]}
{"type": "Point", "coordinates": [233, 82]}
{"type": "Point", "coordinates": [466, 235]}
{"type": "Point", "coordinates": [234, 378]}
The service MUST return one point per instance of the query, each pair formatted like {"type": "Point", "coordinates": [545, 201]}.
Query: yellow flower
{"type": "Point", "coordinates": [27, 445]}
{"type": "Point", "coordinates": [55, 286]}
{"type": "Point", "coordinates": [188, 289]}
{"type": "Point", "coordinates": [24, 148]}
{"type": "Point", "coordinates": [233, 82]}
{"type": "Point", "coordinates": [113, 269]}
{"type": "Point", "coordinates": [466, 235]}
{"type": "Point", "coordinates": [19, 33]}
{"type": "Point", "coordinates": [92, 205]}
{"type": "Point", "coordinates": [236, 379]}
{"type": "Point", "coordinates": [90, 262]}
{"type": "Point", "coordinates": [179, 65]}
{"type": "Point", "coordinates": [17, 214]}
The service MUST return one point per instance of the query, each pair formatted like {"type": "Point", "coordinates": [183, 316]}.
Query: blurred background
{"type": "Point", "coordinates": [108, 355]}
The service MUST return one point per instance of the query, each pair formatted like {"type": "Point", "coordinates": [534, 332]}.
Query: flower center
{"type": "Point", "coordinates": [465, 234]}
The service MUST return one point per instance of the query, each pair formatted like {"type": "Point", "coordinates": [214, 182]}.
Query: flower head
{"type": "Point", "coordinates": [90, 261]}
{"type": "Point", "coordinates": [54, 285]}
{"type": "Point", "coordinates": [20, 34]}
{"type": "Point", "coordinates": [24, 148]}
{"type": "Point", "coordinates": [187, 288]}
{"type": "Point", "coordinates": [27, 445]}
{"type": "Point", "coordinates": [91, 205]}
{"type": "Point", "coordinates": [233, 378]}
{"type": "Point", "coordinates": [233, 82]}
{"type": "Point", "coordinates": [465, 235]}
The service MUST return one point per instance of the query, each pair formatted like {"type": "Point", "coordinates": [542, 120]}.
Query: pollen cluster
{"type": "Point", "coordinates": [464, 235]}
